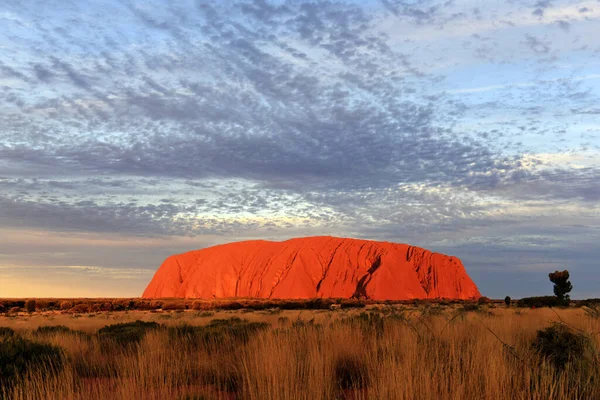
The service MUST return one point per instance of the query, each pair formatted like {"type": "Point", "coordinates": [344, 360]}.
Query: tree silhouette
{"type": "Point", "coordinates": [562, 285]}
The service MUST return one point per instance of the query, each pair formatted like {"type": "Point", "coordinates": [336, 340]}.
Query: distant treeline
{"type": "Point", "coordinates": [82, 305]}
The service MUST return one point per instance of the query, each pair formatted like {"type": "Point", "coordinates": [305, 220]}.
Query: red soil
{"type": "Point", "coordinates": [312, 267]}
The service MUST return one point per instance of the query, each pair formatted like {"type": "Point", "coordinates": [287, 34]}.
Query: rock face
{"type": "Point", "coordinates": [312, 267]}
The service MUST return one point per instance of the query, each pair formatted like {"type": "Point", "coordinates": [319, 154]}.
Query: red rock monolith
{"type": "Point", "coordinates": [311, 267]}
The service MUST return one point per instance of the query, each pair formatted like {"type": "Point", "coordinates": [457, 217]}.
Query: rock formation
{"type": "Point", "coordinates": [312, 267]}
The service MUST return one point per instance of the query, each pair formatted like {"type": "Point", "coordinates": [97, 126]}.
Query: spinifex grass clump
{"type": "Point", "coordinates": [539, 301]}
{"type": "Point", "coordinates": [563, 346]}
{"type": "Point", "coordinates": [351, 372]}
{"type": "Point", "coordinates": [19, 356]}
{"type": "Point", "coordinates": [127, 333]}
{"type": "Point", "coordinates": [57, 330]}
{"type": "Point", "coordinates": [216, 332]}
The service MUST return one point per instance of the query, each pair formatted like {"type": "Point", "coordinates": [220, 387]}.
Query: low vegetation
{"type": "Point", "coordinates": [378, 351]}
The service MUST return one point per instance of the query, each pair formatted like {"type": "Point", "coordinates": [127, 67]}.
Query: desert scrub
{"type": "Point", "coordinates": [30, 306]}
{"type": "Point", "coordinates": [563, 346]}
{"type": "Point", "coordinates": [351, 372]}
{"type": "Point", "coordinates": [217, 332]}
{"type": "Point", "coordinates": [126, 334]}
{"type": "Point", "coordinates": [57, 330]}
{"type": "Point", "coordinates": [173, 306]}
{"type": "Point", "coordinates": [19, 356]}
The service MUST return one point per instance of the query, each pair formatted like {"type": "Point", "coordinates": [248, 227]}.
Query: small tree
{"type": "Point", "coordinates": [507, 301]}
{"type": "Point", "coordinates": [562, 285]}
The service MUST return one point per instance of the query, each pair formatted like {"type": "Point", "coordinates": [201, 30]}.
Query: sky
{"type": "Point", "coordinates": [133, 130]}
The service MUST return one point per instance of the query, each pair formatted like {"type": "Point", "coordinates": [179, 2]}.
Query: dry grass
{"type": "Point", "coordinates": [390, 352]}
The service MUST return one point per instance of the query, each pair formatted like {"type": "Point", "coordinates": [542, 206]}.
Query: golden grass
{"type": "Point", "coordinates": [413, 353]}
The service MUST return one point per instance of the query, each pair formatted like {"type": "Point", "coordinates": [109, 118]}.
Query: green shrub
{"type": "Point", "coordinates": [128, 333]}
{"type": "Point", "coordinates": [561, 345]}
{"type": "Point", "coordinates": [539, 301]}
{"type": "Point", "coordinates": [18, 355]}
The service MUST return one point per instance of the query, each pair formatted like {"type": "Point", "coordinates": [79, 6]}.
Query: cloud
{"type": "Point", "coordinates": [395, 120]}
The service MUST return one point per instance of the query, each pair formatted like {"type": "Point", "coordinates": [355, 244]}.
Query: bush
{"type": "Point", "coordinates": [14, 310]}
{"type": "Point", "coordinates": [539, 301]}
{"type": "Point", "coordinates": [199, 305]}
{"type": "Point", "coordinates": [484, 300]}
{"type": "Point", "coordinates": [560, 345]}
{"type": "Point", "coordinates": [230, 305]}
{"type": "Point", "coordinates": [146, 305]}
{"type": "Point", "coordinates": [291, 305]}
{"type": "Point", "coordinates": [235, 328]}
{"type": "Point", "coordinates": [80, 308]}
{"type": "Point", "coordinates": [30, 306]}
{"type": "Point", "coordinates": [507, 301]}
{"type": "Point", "coordinates": [66, 305]}
{"type": "Point", "coordinates": [41, 305]}
{"type": "Point", "coordinates": [13, 303]}
{"type": "Point", "coordinates": [351, 372]}
{"type": "Point", "coordinates": [216, 332]}
{"type": "Point", "coordinates": [173, 306]}
{"type": "Point", "coordinates": [470, 307]}
{"type": "Point", "coordinates": [126, 334]}
{"type": "Point", "coordinates": [319, 304]}
{"type": "Point", "coordinates": [56, 329]}
{"type": "Point", "coordinates": [18, 355]}
{"type": "Point", "coordinates": [589, 302]}
{"type": "Point", "coordinates": [352, 303]}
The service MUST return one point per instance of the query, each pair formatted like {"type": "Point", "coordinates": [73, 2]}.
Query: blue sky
{"type": "Point", "coordinates": [131, 130]}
